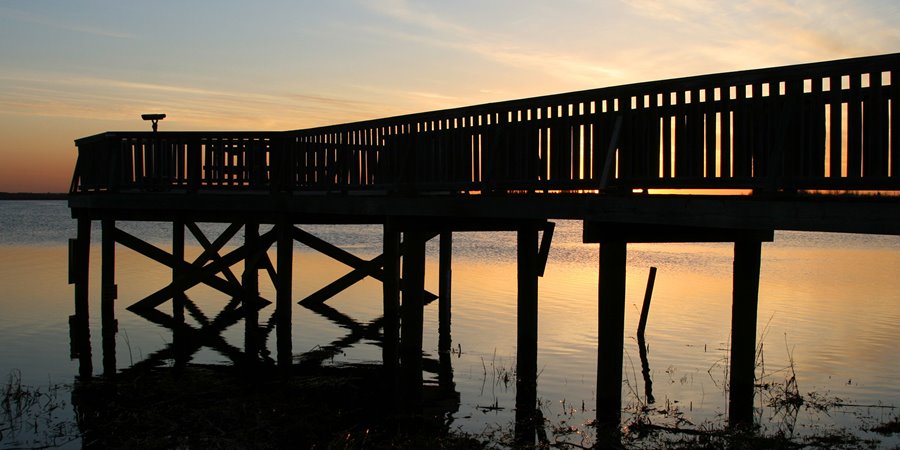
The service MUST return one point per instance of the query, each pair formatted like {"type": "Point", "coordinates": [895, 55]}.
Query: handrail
{"type": "Point", "coordinates": [825, 125]}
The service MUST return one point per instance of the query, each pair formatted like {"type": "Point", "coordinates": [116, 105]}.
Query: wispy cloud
{"type": "Point", "coordinates": [519, 51]}
{"type": "Point", "coordinates": [677, 10]}
{"type": "Point", "coordinates": [29, 18]}
{"type": "Point", "coordinates": [42, 94]}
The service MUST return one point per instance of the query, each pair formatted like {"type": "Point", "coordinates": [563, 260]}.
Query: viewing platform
{"type": "Point", "coordinates": [728, 157]}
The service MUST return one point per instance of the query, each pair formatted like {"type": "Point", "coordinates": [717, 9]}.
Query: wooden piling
{"type": "Point", "coordinates": [250, 281]}
{"type": "Point", "coordinates": [391, 298]}
{"type": "Point", "coordinates": [645, 308]}
{"type": "Point", "coordinates": [178, 298]}
{"type": "Point", "coordinates": [444, 268]}
{"type": "Point", "coordinates": [747, 256]}
{"type": "Point", "coordinates": [412, 315]}
{"type": "Point", "coordinates": [79, 323]}
{"type": "Point", "coordinates": [611, 321]}
{"type": "Point", "coordinates": [81, 259]}
{"type": "Point", "coordinates": [178, 254]}
{"type": "Point", "coordinates": [526, 334]}
{"type": "Point", "coordinates": [108, 296]}
{"type": "Point", "coordinates": [283, 301]}
{"type": "Point", "coordinates": [527, 325]}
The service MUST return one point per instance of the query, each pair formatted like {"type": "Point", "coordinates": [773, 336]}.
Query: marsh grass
{"type": "Point", "coordinates": [34, 417]}
{"type": "Point", "coordinates": [347, 407]}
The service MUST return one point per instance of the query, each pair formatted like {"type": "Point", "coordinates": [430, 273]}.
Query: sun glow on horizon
{"type": "Point", "coordinates": [72, 71]}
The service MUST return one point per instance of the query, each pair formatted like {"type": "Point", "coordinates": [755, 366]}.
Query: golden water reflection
{"type": "Point", "coordinates": [831, 307]}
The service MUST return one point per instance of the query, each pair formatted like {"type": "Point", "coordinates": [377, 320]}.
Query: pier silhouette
{"type": "Point", "coordinates": [760, 150]}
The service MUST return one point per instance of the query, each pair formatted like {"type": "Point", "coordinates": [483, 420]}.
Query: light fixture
{"type": "Point", "coordinates": [154, 118]}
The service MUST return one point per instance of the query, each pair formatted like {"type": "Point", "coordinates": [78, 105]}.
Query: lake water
{"type": "Point", "coordinates": [829, 309]}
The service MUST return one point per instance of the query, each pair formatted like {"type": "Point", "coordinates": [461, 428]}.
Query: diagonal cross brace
{"type": "Point", "coordinates": [362, 268]}
{"type": "Point", "coordinates": [211, 250]}
{"type": "Point", "coordinates": [194, 274]}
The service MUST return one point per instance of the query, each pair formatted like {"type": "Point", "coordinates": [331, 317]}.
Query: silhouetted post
{"type": "Point", "coordinates": [79, 324]}
{"type": "Point", "coordinates": [645, 309]}
{"type": "Point", "coordinates": [179, 299]}
{"type": "Point", "coordinates": [251, 290]}
{"type": "Point", "coordinates": [445, 263]}
{"type": "Point", "coordinates": [81, 260]}
{"type": "Point", "coordinates": [412, 312]}
{"type": "Point", "coordinates": [283, 292]}
{"type": "Point", "coordinates": [527, 335]}
{"type": "Point", "coordinates": [108, 323]}
{"type": "Point", "coordinates": [747, 256]}
{"type": "Point", "coordinates": [391, 293]}
{"type": "Point", "coordinates": [177, 272]}
{"type": "Point", "coordinates": [611, 321]}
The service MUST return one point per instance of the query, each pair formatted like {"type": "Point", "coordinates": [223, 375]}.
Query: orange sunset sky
{"type": "Point", "coordinates": [72, 69]}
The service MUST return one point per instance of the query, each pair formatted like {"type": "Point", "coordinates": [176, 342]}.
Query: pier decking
{"type": "Point", "coordinates": [759, 150]}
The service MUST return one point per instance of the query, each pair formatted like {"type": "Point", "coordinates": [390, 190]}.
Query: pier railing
{"type": "Point", "coordinates": [821, 126]}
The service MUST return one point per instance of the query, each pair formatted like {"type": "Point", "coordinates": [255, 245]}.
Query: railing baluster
{"type": "Point", "coordinates": [854, 128]}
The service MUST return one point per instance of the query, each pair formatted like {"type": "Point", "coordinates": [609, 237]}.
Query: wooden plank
{"type": "Point", "coordinates": [817, 129]}
{"type": "Point", "coordinates": [654, 152]}
{"type": "Point", "coordinates": [667, 135]}
{"type": "Point", "coordinates": [608, 172]}
{"type": "Point", "coordinates": [875, 139]}
{"type": "Point", "coordinates": [854, 128]}
{"type": "Point", "coordinates": [895, 123]}
{"type": "Point", "coordinates": [627, 140]}
{"type": "Point", "coordinates": [696, 124]}
{"type": "Point", "coordinates": [836, 127]}
{"type": "Point", "coordinates": [681, 157]}
{"type": "Point", "coordinates": [726, 128]}
{"type": "Point", "coordinates": [710, 139]}
{"type": "Point", "coordinates": [741, 131]}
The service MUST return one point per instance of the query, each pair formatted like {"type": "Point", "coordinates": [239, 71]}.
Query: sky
{"type": "Point", "coordinates": [70, 69]}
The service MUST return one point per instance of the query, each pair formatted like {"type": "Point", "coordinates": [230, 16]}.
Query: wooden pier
{"type": "Point", "coordinates": [760, 150]}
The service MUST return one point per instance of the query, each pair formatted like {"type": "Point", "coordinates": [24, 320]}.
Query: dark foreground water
{"type": "Point", "coordinates": [829, 310]}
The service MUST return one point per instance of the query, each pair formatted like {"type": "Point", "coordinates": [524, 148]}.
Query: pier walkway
{"type": "Point", "coordinates": [727, 157]}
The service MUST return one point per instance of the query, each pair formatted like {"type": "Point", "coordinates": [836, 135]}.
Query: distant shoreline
{"type": "Point", "coordinates": [33, 196]}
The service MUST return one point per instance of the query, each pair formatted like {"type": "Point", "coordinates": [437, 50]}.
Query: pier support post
{"type": "Point", "coordinates": [527, 335]}
{"type": "Point", "coordinates": [179, 298]}
{"type": "Point", "coordinates": [79, 324]}
{"type": "Point", "coordinates": [80, 272]}
{"type": "Point", "coordinates": [250, 280]}
{"type": "Point", "coordinates": [611, 321]}
{"type": "Point", "coordinates": [178, 254]}
{"type": "Point", "coordinates": [444, 268]}
{"type": "Point", "coordinates": [391, 300]}
{"type": "Point", "coordinates": [747, 256]}
{"type": "Point", "coordinates": [412, 314]}
{"type": "Point", "coordinates": [108, 294]}
{"type": "Point", "coordinates": [283, 301]}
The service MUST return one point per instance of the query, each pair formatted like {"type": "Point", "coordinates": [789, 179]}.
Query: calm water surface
{"type": "Point", "coordinates": [829, 309]}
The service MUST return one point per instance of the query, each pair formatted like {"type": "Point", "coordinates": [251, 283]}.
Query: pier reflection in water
{"type": "Point", "coordinates": [401, 327]}
{"type": "Point", "coordinates": [163, 387]}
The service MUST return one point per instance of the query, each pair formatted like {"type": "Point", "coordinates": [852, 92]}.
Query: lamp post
{"type": "Point", "coordinates": [154, 119]}
{"type": "Point", "coordinates": [155, 164]}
